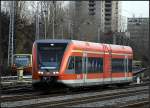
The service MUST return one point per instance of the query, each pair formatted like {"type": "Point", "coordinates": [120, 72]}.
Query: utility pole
{"type": "Point", "coordinates": [37, 22]}
{"type": "Point", "coordinates": [45, 23]}
{"type": "Point", "coordinates": [62, 32]}
{"type": "Point", "coordinates": [69, 29]}
{"type": "Point", "coordinates": [11, 32]}
{"type": "Point", "coordinates": [54, 8]}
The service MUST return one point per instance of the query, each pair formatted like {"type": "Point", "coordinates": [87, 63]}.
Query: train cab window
{"type": "Point", "coordinates": [117, 65]}
{"type": "Point", "coordinates": [71, 65]}
{"type": "Point", "coordinates": [49, 55]}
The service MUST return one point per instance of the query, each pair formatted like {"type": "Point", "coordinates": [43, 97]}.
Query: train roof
{"type": "Point", "coordinates": [89, 45]}
{"type": "Point", "coordinates": [53, 41]}
{"type": "Point", "coordinates": [99, 46]}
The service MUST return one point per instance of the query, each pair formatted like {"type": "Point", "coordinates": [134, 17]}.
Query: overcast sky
{"type": "Point", "coordinates": [138, 8]}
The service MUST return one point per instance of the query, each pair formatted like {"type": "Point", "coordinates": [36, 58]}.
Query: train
{"type": "Point", "coordinates": [22, 61]}
{"type": "Point", "coordinates": [75, 63]}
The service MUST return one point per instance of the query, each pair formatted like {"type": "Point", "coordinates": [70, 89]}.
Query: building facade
{"type": "Point", "coordinates": [139, 36]}
{"type": "Point", "coordinates": [112, 12]}
{"type": "Point", "coordinates": [87, 19]}
{"type": "Point", "coordinates": [91, 19]}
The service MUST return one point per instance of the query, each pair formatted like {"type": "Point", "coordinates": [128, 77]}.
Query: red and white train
{"type": "Point", "coordinates": [79, 63]}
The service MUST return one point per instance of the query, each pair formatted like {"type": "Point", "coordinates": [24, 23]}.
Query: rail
{"type": "Point", "coordinates": [9, 78]}
{"type": "Point", "coordinates": [92, 98]}
{"type": "Point", "coordinates": [136, 104]}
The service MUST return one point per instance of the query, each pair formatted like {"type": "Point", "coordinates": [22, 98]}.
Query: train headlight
{"type": "Point", "coordinates": [55, 73]}
{"type": "Point", "coordinates": [52, 44]}
{"type": "Point", "coordinates": [40, 72]}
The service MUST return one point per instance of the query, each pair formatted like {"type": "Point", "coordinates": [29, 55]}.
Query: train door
{"type": "Point", "coordinates": [126, 66]}
{"type": "Point", "coordinates": [107, 66]}
{"type": "Point", "coordinates": [84, 68]}
{"type": "Point", "coordinates": [110, 66]}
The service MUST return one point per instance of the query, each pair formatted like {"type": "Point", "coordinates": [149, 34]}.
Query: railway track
{"type": "Point", "coordinates": [28, 93]}
{"type": "Point", "coordinates": [82, 100]}
{"type": "Point", "coordinates": [75, 98]}
{"type": "Point", "coordinates": [17, 89]}
{"type": "Point", "coordinates": [141, 104]}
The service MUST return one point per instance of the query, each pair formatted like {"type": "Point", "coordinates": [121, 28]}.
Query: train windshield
{"type": "Point", "coordinates": [50, 55]}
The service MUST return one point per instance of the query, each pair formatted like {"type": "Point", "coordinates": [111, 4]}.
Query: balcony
{"type": "Point", "coordinates": [91, 8]}
{"type": "Point", "coordinates": [108, 19]}
{"type": "Point", "coordinates": [107, 23]}
{"type": "Point", "coordinates": [106, 14]}
{"type": "Point", "coordinates": [108, 9]}
{"type": "Point", "coordinates": [107, 1]}
{"type": "Point", "coordinates": [107, 5]}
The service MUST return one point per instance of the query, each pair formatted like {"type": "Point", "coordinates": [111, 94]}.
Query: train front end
{"type": "Point", "coordinates": [47, 57]}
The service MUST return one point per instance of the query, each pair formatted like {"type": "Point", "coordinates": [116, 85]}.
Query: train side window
{"type": "Point", "coordinates": [71, 65]}
{"type": "Point", "coordinates": [100, 65]}
{"type": "Point", "coordinates": [78, 65]}
{"type": "Point", "coordinates": [95, 65]}
{"type": "Point", "coordinates": [130, 65]}
{"type": "Point", "coordinates": [117, 65]}
{"type": "Point", "coordinates": [90, 65]}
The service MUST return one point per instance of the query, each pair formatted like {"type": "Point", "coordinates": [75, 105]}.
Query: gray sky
{"type": "Point", "coordinates": [138, 8]}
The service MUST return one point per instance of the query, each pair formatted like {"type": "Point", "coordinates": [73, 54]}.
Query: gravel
{"type": "Point", "coordinates": [113, 102]}
{"type": "Point", "coordinates": [64, 97]}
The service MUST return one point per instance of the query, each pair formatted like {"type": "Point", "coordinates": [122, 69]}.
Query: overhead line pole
{"type": "Point", "coordinates": [37, 22]}
{"type": "Point", "coordinates": [11, 33]}
{"type": "Point", "coordinates": [54, 5]}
